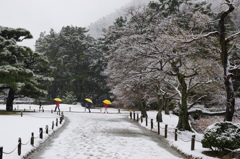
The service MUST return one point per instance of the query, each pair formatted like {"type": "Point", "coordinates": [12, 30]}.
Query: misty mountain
{"type": "Point", "coordinates": [95, 29]}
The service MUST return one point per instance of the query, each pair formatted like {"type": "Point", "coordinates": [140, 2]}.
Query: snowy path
{"type": "Point", "coordinates": [103, 136]}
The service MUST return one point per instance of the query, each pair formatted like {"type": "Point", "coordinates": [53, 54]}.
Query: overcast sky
{"type": "Point", "coordinates": [42, 15]}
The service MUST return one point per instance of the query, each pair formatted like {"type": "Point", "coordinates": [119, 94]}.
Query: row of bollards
{"type": "Point", "coordinates": [133, 116]}
{"type": "Point", "coordinates": [19, 146]}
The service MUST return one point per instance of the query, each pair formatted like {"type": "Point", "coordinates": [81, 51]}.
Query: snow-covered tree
{"type": "Point", "coordinates": [23, 72]}
{"type": "Point", "coordinates": [77, 62]}
{"type": "Point", "coordinates": [226, 42]}
{"type": "Point", "coordinates": [69, 98]}
{"type": "Point", "coordinates": [151, 49]}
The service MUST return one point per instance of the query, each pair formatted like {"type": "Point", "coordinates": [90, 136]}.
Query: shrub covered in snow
{"type": "Point", "coordinates": [222, 135]}
{"type": "Point", "coordinates": [69, 98]}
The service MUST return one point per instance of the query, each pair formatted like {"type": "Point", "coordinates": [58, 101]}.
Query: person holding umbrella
{"type": "Point", "coordinates": [58, 100]}
{"type": "Point", "coordinates": [89, 104]}
{"type": "Point", "coordinates": [106, 107]}
{"type": "Point", "coordinates": [106, 103]}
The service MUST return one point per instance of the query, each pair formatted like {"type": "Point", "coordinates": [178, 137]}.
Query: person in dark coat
{"type": "Point", "coordinates": [89, 106]}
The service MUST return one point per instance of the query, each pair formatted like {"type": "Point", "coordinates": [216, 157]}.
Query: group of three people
{"type": "Point", "coordinates": [89, 104]}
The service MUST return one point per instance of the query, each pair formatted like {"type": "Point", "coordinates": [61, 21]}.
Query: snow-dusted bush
{"type": "Point", "coordinates": [221, 136]}
{"type": "Point", "coordinates": [69, 98]}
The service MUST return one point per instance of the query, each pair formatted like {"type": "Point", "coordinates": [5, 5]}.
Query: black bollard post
{"type": "Point", "coordinates": [21, 113]}
{"type": "Point", "coordinates": [46, 129]}
{"type": "Point", "coordinates": [193, 142]}
{"type": "Point", "coordinates": [134, 116]}
{"type": "Point", "coordinates": [56, 121]}
{"type": "Point", "coordinates": [52, 125]}
{"type": "Point", "coordinates": [41, 133]}
{"type": "Point", "coordinates": [119, 110]}
{"type": "Point", "coordinates": [131, 115]}
{"type": "Point", "coordinates": [141, 119]}
{"type": "Point", "coordinates": [175, 134]}
{"type": "Point", "coordinates": [32, 139]}
{"type": "Point", "coordinates": [166, 126]}
{"type": "Point", "coordinates": [19, 146]}
{"type": "Point", "coordinates": [1, 152]}
{"type": "Point", "coordinates": [137, 117]}
{"type": "Point", "coordinates": [146, 121]}
{"type": "Point", "coordinates": [151, 124]}
{"type": "Point", "coordinates": [158, 128]}
{"type": "Point", "coordinates": [60, 120]}
{"type": "Point", "coordinates": [62, 116]}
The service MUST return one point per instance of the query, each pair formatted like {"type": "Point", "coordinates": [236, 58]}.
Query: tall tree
{"type": "Point", "coordinates": [225, 37]}
{"type": "Point", "coordinates": [150, 49]}
{"type": "Point", "coordinates": [76, 60]}
{"type": "Point", "coordinates": [23, 72]}
{"type": "Point", "coordinates": [225, 43]}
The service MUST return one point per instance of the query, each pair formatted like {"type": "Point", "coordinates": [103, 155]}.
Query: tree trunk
{"type": "Point", "coordinates": [159, 114]}
{"type": "Point", "coordinates": [230, 107]}
{"type": "Point", "coordinates": [183, 122]}
{"type": "Point", "coordinates": [166, 107]}
{"type": "Point", "coordinates": [10, 99]}
{"type": "Point", "coordinates": [143, 108]}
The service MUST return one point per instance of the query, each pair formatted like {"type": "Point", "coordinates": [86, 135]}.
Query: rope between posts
{"type": "Point", "coordinates": [169, 132]}
{"type": "Point", "coordinates": [197, 140]}
{"type": "Point", "coordinates": [40, 142]}
{"type": "Point", "coordinates": [183, 139]}
{"type": "Point", "coordinates": [26, 143]}
{"type": "Point", "coordinates": [11, 151]}
{"type": "Point", "coordinates": [38, 116]}
{"type": "Point", "coordinates": [162, 127]}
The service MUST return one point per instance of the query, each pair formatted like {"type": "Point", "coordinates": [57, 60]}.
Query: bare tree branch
{"type": "Point", "coordinates": [201, 37]}
{"type": "Point", "coordinates": [233, 36]}
{"type": "Point", "coordinates": [196, 101]}
{"type": "Point", "coordinates": [200, 111]}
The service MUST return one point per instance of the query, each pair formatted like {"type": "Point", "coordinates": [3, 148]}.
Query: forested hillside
{"type": "Point", "coordinates": [95, 29]}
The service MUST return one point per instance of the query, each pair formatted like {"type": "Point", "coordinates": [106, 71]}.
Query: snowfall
{"type": "Point", "coordinates": [95, 135]}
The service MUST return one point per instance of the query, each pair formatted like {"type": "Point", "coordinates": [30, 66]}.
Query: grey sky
{"type": "Point", "coordinates": [42, 15]}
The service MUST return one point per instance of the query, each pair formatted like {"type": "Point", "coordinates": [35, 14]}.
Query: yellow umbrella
{"type": "Point", "coordinates": [107, 102]}
{"type": "Point", "coordinates": [58, 99]}
{"type": "Point", "coordinates": [89, 100]}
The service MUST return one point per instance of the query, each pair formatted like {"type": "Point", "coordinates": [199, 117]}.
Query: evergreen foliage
{"type": "Point", "coordinates": [69, 98]}
{"type": "Point", "coordinates": [77, 63]}
{"type": "Point", "coordinates": [23, 72]}
{"type": "Point", "coordinates": [222, 136]}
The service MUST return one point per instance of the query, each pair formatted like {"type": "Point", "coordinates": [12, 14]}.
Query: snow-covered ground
{"type": "Point", "coordinates": [92, 135]}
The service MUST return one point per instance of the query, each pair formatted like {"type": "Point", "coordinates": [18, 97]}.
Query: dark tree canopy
{"type": "Point", "coordinates": [23, 72]}
{"type": "Point", "coordinates": [76, 61]}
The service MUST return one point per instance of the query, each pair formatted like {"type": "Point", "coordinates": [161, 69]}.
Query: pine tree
{"type": "Point", "coordinates": [23, 72]}
{"type": "Point", "coordinates": [76, 61]}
